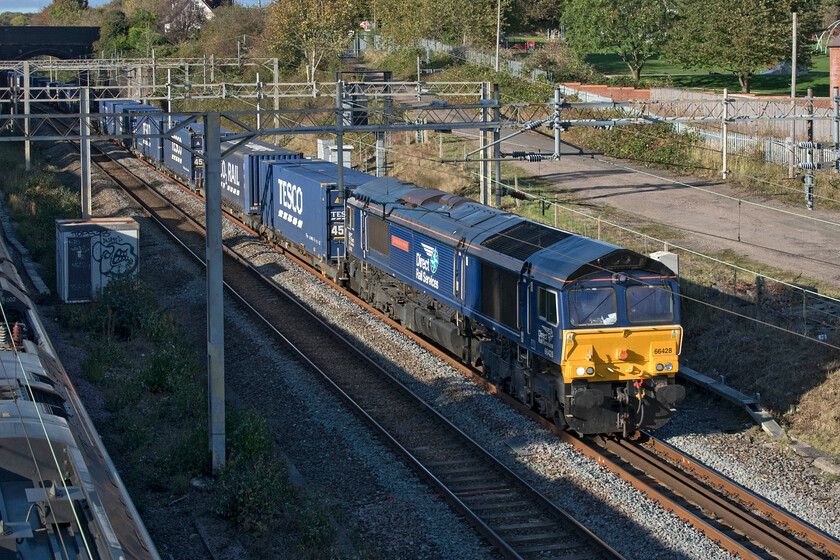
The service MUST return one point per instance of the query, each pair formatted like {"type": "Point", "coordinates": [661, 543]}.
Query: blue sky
{"type": "Point", "coordinates": [36, 5]}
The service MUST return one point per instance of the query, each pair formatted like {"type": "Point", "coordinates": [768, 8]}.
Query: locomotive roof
{"type": "Point", "coordinates": [513, 240]}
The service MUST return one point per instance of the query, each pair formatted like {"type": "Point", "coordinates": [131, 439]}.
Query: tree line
{"type": "Point", "coordinates": [741, 37]}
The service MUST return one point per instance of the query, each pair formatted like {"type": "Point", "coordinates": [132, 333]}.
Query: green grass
{"type": "Point", "coordinates": [611, 63]}
{"type": "Point", "coordinates": [715, 79]}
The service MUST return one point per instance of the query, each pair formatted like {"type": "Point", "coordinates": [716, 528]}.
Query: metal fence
{"type": "Point", "coordinates": [772, 150]}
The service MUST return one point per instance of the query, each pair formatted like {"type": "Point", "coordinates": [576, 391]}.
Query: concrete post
{"type": "Point", "coordinates": [27, 145]}
{"type": "Point", "coordinates": [215, 289]}
{"type": "Point", "coordinates": [497, 150]}
{"type": "Point", "coordinates": [169, 92]}
{"type": "Point", "coordinates": [339, 139]}
{"type": "Point", "coordinates": [725, 140]}
{"type": "Point", "coordinates": [259, 94]}
{"type": "Point", "coordinates": [276, 77]}
{"type": "Point", "coordinates": [380, 154]}
{"type": "Point", "coordinates": [558, 102]}
{"type": "Point", "coordinates": [84, 127]}
{"type": "Point", "coordinates": [792, 154]}
{"type": "Point", "coordinates": [484, 165]}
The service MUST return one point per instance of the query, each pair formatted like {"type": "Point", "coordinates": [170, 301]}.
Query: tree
{"type": "Point", "coordinates": [309, 31]}
{"type": "Point", "coordinates": [633, 29]}
{"type": "Point", "coordinates": [536, 14]}
{"type": "Point", "coordinates": [739, 36]}
{"type": "Point", "coordinates": [218, 36]}
{"type": "Point", "coordinates": [450, 21]}
{"type": "Point", "coordinates": [112, 32]}
{"type": "Point", "coordinates": [67, 11]}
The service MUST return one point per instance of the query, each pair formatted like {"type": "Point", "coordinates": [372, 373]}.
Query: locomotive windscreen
{"type": "Point", "coordinates": [522, 240]}
{"type": "Point", "coordinates": [498, 295]}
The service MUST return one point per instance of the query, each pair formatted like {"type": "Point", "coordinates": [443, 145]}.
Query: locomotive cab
{"type": "Point", "coordinates": [620, 349]}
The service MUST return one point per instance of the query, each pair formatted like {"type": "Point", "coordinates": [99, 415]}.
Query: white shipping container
{"type": "Point", "coordinates": [91, 253]}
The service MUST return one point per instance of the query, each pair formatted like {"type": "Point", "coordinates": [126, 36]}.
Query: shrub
{"type": "Point", "coordinates": [316, 526]}
{"type": "Point", "coordinates": [121, 308]}
{"type": "Point", "coordinates": [564, 65]}
{"type": "Point", "coordinates": [251, 492]}
{"type": "Point", "coordinates": [249, 435]}
{"type": "Point", "coordinates": [171, 364]}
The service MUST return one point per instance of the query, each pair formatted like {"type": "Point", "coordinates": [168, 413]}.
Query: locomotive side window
{"type": "Point", "coordinates": [650, 304]}
{"type": "Point", "coordinates": [378, 236]}
{"type": "Point", "coordinates": [547, 306]}
{"type": "Point", "coordinates": [593, 306]}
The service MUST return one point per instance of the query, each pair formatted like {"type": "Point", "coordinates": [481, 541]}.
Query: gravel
{"type": "Point", "coordinates": [388, 506]}
{"type": "Point", "coordinates": [747, 456]}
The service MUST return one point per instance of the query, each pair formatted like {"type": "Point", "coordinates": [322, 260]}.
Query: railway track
{"type": "Point", "coordinates": [739, 520]}
{"type": "Point", "coordinates": [519, 525]}
{"type": "Point", "coordinates": [511, 514]}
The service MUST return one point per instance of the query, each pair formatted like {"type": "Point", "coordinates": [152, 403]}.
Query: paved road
{"type": "Point", "coordinates": [791, 238]}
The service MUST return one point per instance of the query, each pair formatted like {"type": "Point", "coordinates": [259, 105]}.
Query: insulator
{"type": "Point", "coordinates": [17, 332]}
{"type": "Point", "coordinates": [534, 157]}
{"type": "Point", "coordinates": [4, 335]}
{"type": "Point", "coordinates": [519, 155]}
{"type": "Point", "coordinates": [808, 165]}
{"type": "Point", "coordinates": [518, 195]}
{"type": "Point", "coordinates": [809, 145]}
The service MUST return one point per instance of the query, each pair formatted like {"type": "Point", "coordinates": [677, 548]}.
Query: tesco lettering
{"type": "Point", "coordinates": [291, 197]}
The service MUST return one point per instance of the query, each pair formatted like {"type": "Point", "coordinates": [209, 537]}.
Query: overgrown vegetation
{"type": "Point", "coordinates": [147, 369]}
{"type": "Point", "coordinates": [35, 200]}
{"type": "Point", "coordinates": [150, 378]}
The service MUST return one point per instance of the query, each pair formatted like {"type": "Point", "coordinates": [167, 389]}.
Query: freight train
{"type": "Point", "coordinates": [60, 496]}
{"type": "Point", "coordinates": [585, 332]}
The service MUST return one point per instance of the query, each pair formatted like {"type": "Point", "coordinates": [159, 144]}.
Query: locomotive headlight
{"type": "Point", "coordinates": [669, 366]}
{"type": "Point", "coordinates": [581, 371]}
{"type": "Point", "coordinates": [659, 367]}
{"type": "Point", "coordinates": [590, 370]}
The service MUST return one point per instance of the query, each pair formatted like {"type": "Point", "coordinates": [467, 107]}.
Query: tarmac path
{"type": "Point", "coordinates": [709, 213]}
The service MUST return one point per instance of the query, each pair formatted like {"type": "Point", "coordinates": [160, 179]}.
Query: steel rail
{"type": "Point", "coordinates": [734, 490]}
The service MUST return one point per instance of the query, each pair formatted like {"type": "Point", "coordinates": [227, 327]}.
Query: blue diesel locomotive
{"type": "Point", "coordinates": [585, 332]}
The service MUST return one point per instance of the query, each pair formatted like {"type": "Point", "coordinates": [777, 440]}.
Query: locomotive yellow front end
{"type": "Point", "coordinates": [620, 354]}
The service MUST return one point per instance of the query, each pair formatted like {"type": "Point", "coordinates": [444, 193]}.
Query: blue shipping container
{"type": "Point", "coordinates": [107, 107]}
{"type": "Point", "coordinates": [241, 168]}
{"type": "Point", "coordinates": [300, 200]}
{"type": "Point", "coordinates": [124, 120]}
{"type": "Point", "coordinates": [188, 166]}
{"type": "Point", "coordinates": [151, 148]}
